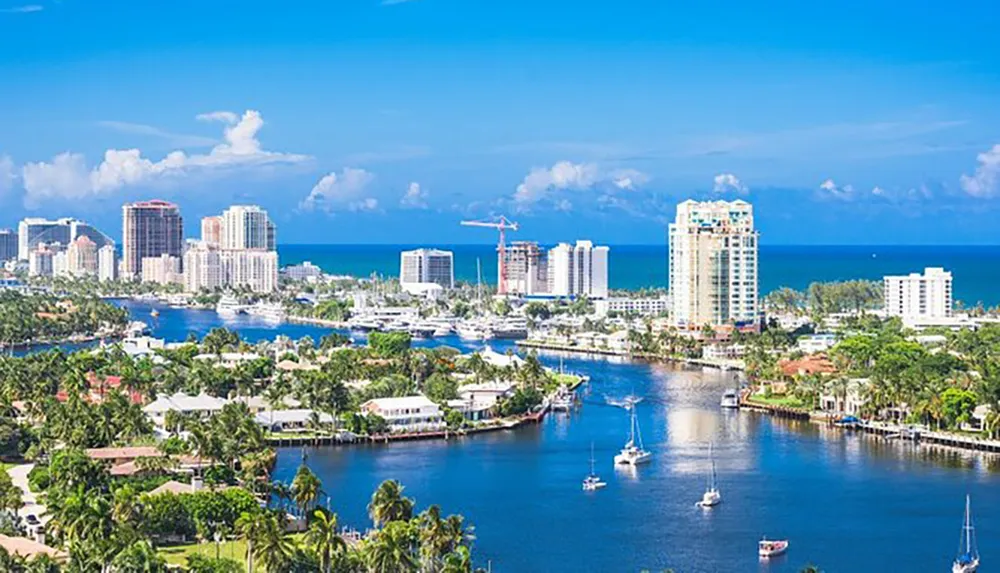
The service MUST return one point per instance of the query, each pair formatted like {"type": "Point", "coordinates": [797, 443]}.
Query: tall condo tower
{"type": "Point", "coordinates": [247, 227]}
{"type": "Point", "coordinates": [150, 229]}
{"type": "Point", "coordinates": [713, 264]}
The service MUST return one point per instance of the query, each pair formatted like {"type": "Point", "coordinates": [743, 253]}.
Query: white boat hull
{"type": "Point", "coordinates": [965, 567]}
{"type": "Point", "coordinates": [633, 459]}
{"type": "Point", "coordinates": [710, 499]}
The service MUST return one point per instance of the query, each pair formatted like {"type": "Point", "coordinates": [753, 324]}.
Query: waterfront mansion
{"type": "Point", "coordinates": [407, 414]}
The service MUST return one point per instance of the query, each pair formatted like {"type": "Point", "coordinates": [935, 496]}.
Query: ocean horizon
{"type": "Point", "coordinates": [975, 268]}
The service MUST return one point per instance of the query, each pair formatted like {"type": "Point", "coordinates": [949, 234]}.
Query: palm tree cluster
{"type": "Point", "coordinates": [28, 318]}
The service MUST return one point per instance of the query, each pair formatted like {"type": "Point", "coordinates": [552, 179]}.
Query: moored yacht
{"type": "Point", "coordinates": [633, 452]}
{"type": "Point", "coordinates": [474, 331]}
{"type": "Point", "coordinates": [229, 305]}
{"type": "Point", "coordinates": [730, 399]}
{"type": "Point", "coordinates": [269, 311]}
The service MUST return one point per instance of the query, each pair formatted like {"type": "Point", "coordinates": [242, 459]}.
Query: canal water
{"type": "Point", "coordinates": [846, 502]}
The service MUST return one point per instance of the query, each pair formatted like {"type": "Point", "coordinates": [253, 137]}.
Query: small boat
{"type": "Point", "coordinates": [968, 556]}
{"type": "Point", "coordinates": [633, 453]}
{"type": "Point", "coordinates": [592, 482]}
{"type": "Point", "coordinates": [154, 313]}
{"type": "Point", "coordinates": [730, 399]}
{"type": "Point", "coordinates": [711, 497]}
{"type": "Point", "coordinates": [772, 548]}
{"type": "Point", "coordinates": [562, 401]}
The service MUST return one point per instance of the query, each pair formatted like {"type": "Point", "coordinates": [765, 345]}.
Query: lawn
{"type": "Point", "coordinates": [571, 380]}
{"type": "Point", "coordinates": [235, 550]}
{"type": "Point", "coordinates": [780, 400]}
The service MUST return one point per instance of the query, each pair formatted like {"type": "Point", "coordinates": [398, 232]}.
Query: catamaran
{"type": "Point", "coordinates": [968, 556]}
{"type": "Point", "coordinates": [592, 482]}
{"type": "Point", "coordinates": [633, 452]}
{"type": "Point", "coordinates": [711, 497]}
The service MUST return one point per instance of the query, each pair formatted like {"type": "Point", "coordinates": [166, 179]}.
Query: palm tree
{"type": "Point", "coordinates": [249, 527]}
{"type": "Point", "coordinates": [322, 538]}
{"type": "Point", "coordinates": [434, 538]}
{"type": "Point", "coordinates": [391, 549]}
{"type": "Point", "coordinates": [272, 549]}
{"type": "Point", "coordinates": [458, 561]}
{"type": "Point", "coordinates": [388, 504]}
{"type": "Point", "coordinates": [306, 489]}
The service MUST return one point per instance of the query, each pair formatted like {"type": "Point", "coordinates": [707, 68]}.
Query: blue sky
{"type": "Point", "coordinates": [389, 121]}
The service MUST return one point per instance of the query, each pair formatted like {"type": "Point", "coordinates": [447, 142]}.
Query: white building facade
{"type": "Point", "coordinates": [578, 270]}
{"type": "Point", "coordinates": [247, 227]}
{"type": "Point", "coordinates": [107, 263]}
{"type": "Point", "coordinates": [713, 264]}
{"type": "Point", "coordinates": [916, 295]}
{"type": "Point", "coordinates": [164, 269]}
{"type": "Point", "coordinates": [82, 257]}
{"type": "Point", "coordinates": [423, 266]}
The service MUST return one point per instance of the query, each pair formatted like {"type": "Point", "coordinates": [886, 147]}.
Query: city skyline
{"type": "Point", "coordinates": [416, 116]}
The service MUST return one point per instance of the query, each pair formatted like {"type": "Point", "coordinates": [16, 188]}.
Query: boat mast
{"type": "Point", "coordinates": [711, 455]}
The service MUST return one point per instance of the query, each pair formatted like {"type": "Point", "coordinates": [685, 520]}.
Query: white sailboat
{"type": "Point", "coordinates": [711, 497]}
{"type": "Point", "coordinates": [592, 482]}
{"type": "Point", "coordinates": [633, 452]}
{"type": "Point", "coordinates": [968, 556]}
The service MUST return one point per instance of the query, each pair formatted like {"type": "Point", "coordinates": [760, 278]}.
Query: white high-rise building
{"type": "Point", "coordinates": [81, 257]}
{"type": "Point", "coordinates": [713, 264]}
{"type": "Point", "coordinates": [424, 266]}
{"type": "Point", "coordinates": [578, 270]}
{"type": "Point", "coordinates": [247, 227]}
{"type": "Point", "coordinates": [34, 231]}
{"type": "Point", "coordinates": [257, 270]}
{"type": "Point", "coordinates": [211, 231]}
{"type": "Point", "coordinates": [107, 263]}
{"type": "Point", "coordinates": [40, 262]}
{"type": "Point", "coordinates": [164, 269]}
{"type": "Point", "coordinates": [918, 295]}
{"type": "Point", "coordinates": [202, 268]}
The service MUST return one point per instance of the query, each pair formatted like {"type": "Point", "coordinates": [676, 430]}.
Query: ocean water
{"type": "Point", "coordinates": [976, 269]}
{"type": "Point", "coordinates": [846, 502]}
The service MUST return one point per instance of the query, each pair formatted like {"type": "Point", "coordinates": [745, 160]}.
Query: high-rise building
{"type": "Point", "coordinates": [202, 268]}
{"type": "Point", "coordinates": [713, 264]}
{"type": "Point", "coordinates": [918, 295]}
{"type": "Point", "coordinates": [247, 227]}
{"type": "Point", "coordinates": [150, 229]}
{"type": "Point", "coordinates": [257, 270]}
{"type": "Point", "coordinates": [107, 263]}
{"type": "Point", "coordinates": [34, 231]}
{"type": "Point", "coordinates": [424, 266]}
{"type": "Point", "coordinates": [164, 269]}
{"type": "Point", "coordinates": [302, 272]}
{"type": "Point", "coordinates": [40, 262]}
{"type": "Point", "coordinates": [526, 267]}
{"type": "Point", "coordinates": [578, 270]}
{"type": "Point", "coordinates": [8, 245]}
{"type": "Point", "coordinates": [81, 257]}
{"type": "Point", "coordinates": [211, 231]}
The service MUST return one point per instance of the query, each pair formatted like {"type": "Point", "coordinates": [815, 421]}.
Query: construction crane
{"type": "Point", "coordinates": [501, 224]}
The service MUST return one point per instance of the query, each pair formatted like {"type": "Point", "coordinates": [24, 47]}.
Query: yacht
{"type": "Point", "coordinates": [711, 497]}
{"type": "Point", "coordinates": [968, 556]}
{"type": "Point", "coordinates": [510, 328]}
{"type": "Point", "coordinates": [269, 311]}
{"type": "Point", "coordinates": [474, 331]}
{"type": "Point", "coordinates": [364, 324]}
{"type": "Point", "coordinates": [592, 482]}
{"type": "Point", "coordinates": [229, 305]}
{"type": "Point", "coordinates": [771, 548]}
{"type": "Point", "coordinates": [730, 399]}
{"type": "Point", "coordinates": [562, 401]}
{"type": "Point", "coordinates": [633, 453]}
{"type": "Point", "coordinates": [154, 313]}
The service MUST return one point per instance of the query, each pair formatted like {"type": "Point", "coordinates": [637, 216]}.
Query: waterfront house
{"type": "Point", "coordinates": [498, 360]}
{"type": "Point", "coordinates": [846, 401]}
{"type": "Point", "coordinates": [228, 359]}
{"type": "Point", "coordinates": [298, 420]}
{"type": "Point", "coordinates": [815, 343]}
{"type": "Point", "coordinates": [478, 401]}
{"type": "Point", "coordinates": [807, 365]}
{"type": "Point", "coordinates": [406, 414]}
{"type": "Point", "coordinates": [202, 406]}
{"type": "Point", "coordinates": [722, 352]}
{"type": "Point", "coordinates": [29, 549]}
{"type": "Point", "coordinates": [258, 404]}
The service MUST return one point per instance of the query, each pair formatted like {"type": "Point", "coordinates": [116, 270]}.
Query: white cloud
{"type": "Point", "coordinates": [566, 175]}
{"type": "Point", "coordinates": [830, 190]}
{"type": "Point", "coordinates": [878, 191]}
{"type": "Point", "coordinates": [67, 175]}
{"type": "Point", "coordinates": [223, 116]}
{"type": "Point", "coordinates": [343, 191]}
{"type": "Point", "coordinates": [985, 182]}
{"type": "Point", "coordinates": [415, 197]}
{"type": "Point", "coordinates": [178, 139]}
{"type": "Point", "coordinates": [26, 9]}
{"type": "Point", "coordinates": [729, 183]}
{"type": "Point", "coordinates": [7, 174]}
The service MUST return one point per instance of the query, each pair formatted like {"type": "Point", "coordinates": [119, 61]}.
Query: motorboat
{"type": "Point", "coordinates": [730, 399]}
{"type": "Point", "coordinates": [364, 324]}
{"type": "Point", "coordinates": [513, 328]}
{"type": "Point", "coordinates": [269, 311]}
{"type": "Point", "coordinates": [968, 556]}
{"type": "Point", "coordinates": [229, 305]}
{"type": "Point", "coordinates": [562, 401]}
{"type": "Point", "coordinates": [593, 482]}
{"type": "Point", "coordinates": [474, 331]}
{"type": "Point", "coordinates": [712, 496]}
{"type": "Point", "coordinates": [154, 313]}
{"type": "Point", "coordinates": [633, 453]}
{"type": "Point", "coordinates": [767, 548]}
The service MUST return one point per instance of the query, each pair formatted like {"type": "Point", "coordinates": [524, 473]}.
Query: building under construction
{"type": "Point", "coordinates": [527, 271]}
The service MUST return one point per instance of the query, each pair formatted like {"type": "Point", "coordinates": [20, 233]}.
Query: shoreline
{"type": "Point", "coordinates": [708, 363]}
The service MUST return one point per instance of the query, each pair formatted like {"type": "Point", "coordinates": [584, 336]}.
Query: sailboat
{"type": "Point", "coordinates": [633, 452]}
{"type": "Point", "coordinates": [968, 556]}
{"type": "Point", "coordinates": [592, 482]}
{"type": "Point", "coordinates": [711, 497]}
